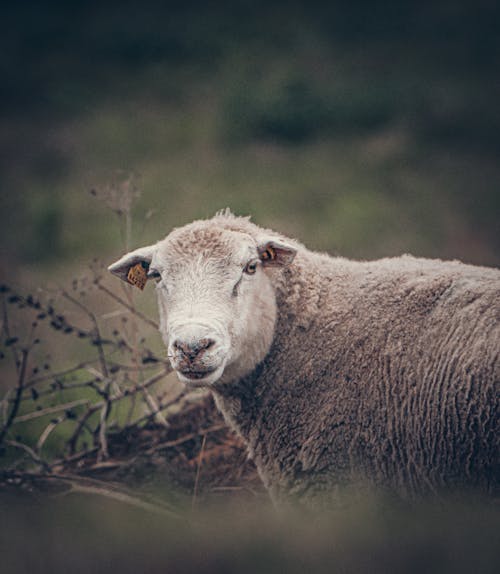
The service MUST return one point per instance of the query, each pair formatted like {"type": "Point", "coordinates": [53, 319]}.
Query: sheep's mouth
{"type": "Point", "coordinates": [200, 377]}
{"type": "Point", "coordinates": [197, 375]}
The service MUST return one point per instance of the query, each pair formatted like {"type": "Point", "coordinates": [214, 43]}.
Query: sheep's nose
{"type": "Point", "coordinates": [191, 349]}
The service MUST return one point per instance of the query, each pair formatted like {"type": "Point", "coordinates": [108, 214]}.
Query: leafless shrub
{"type": "Point", "coordinates": [105, 404]}
{"type": "Point", "coordinates": [117, 373]}
{"type": "Point", "coordinates": [119, 194]}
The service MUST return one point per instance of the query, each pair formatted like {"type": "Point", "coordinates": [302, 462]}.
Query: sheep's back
{"type": "Point", "coordinates": [395, 380]}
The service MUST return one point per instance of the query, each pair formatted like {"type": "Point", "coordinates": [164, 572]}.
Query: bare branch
{"type": "Point", "coordinates": [6, 330]}
{"type": "Point", "coordinates": [98, 339]}
{"type": "Point", "coordinates": [124, 303]}
{"type": "Point", "coordinates": [198, 471]}
{"type": "Point", "coordinates": [58, 375]}
{"type": "Point", "coordinates": [161, 407]}
{"type": "Point", "coordinates": [29, 451]}
{"type": "Point", "coordinates": [155, 411]}
{"type": "Point", "coordinates": [56, 388]}
{"type": "Point", "coordinates": [47, 432]}
{"type": "Point", "coordinates": [17, 398]}
{"type": "Point", "coordinates": [185, 438]}
{"type": "Point", "coordinates": [111, 490]}
{"type": "Point", "coordinates": [50, 410]}
{"type": "Point", "coordinates": [103, 442]}
{"type": "Point", "coordinates": [73, 439]}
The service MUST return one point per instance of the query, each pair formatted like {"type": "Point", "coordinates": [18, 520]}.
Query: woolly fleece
{"type": "Point", "coordinates": [384, 372]}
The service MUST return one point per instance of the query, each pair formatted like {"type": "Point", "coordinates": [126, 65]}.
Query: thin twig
{"type": "Point", "coordinates": [139, 387]}
{"type": "Point", "coordinates": [62, 462]}
{"type": "Point", "coordinates": [103, 441]}
{"type": "Point", "coordinates": [98, 340]}
{"type": "Point", "coordinates": [186, 438]}
{"type": "Point", "coordinates": [5, 405]}
{"type": "Point", "coordinates": [50, 410]}
{"type": "Point", "coordinates": [58, 375]}
{"type": "Point", "coordinates": [97, 406]}
{"type": "Point", "coordinates": [198, 472]}
{"type": "Point", "coordinates": [31, 453]}
{"type": "Point", "coordinates": [88, 485]}
{"type": "Point", "coordinates": [121, 496]}
{"type": "Point", "coordinates": [6, 330]}
{"type": "Point", "coordinates": [57, 389]}
{"type": "Point", "coordinates": [47, 432]}
{"type": "Point", "coordinates": [155, 411]}
{"type": "Point", "coordinates": [73, 439]}
{"type": "Point", "coordinates": [17, 398]}
{"type": "Point", "coordinates": [128, 306]}
{"type": "Point", "coordinates": [161, 407]}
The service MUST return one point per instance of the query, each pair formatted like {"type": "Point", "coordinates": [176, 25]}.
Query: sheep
{"type": "Point", "coordinates": [334, 372]}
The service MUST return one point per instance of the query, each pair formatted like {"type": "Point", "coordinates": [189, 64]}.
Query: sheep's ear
{"type": "Point", "coordinates": [276, 252]}
{"type": "Point", "coordinates": [133, 267]}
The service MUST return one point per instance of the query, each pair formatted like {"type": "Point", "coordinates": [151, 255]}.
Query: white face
{"type": "Point", "coordinates": [217, 304]}
{"type": "Point", "coordinates": [213, 311]}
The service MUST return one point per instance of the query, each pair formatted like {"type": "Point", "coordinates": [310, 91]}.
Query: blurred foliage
{"type": "Point", "coordinates": [287, 109]}
{"type": "Point", "coordinates": [365, 129]}
{"type": "Point", "coordinates": [96, 534]}
{"type": "Point", "coordinates": [362, 129]}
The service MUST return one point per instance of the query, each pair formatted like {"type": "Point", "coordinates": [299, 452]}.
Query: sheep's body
{"type": "Point", "coordinates": [385, 372]}
{"type": "Point", "coordinates": [334, 371]}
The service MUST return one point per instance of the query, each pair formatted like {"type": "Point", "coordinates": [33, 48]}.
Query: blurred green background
{"type": "Point", "coordinates": [365, 129]}
{"type": "Point", "coordinates": [82, 536]}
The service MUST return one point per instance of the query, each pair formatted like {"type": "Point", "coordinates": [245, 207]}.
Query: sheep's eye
{"type": "Point", "coordinates": [153, 274]}
{"type": "Point", "coordinates": [250, 268]}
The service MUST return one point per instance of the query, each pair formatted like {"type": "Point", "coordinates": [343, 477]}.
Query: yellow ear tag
{"type": "Point", "coordinates": [137, 276]}
{"type": "Point", "coordinates": [268, 255]}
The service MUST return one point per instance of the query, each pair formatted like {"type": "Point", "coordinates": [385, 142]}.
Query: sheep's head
{"type": "Point", "coordinates": [216, 299]}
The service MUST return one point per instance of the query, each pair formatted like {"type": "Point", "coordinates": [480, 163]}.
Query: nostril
{"type": "Point", "coordinates": [184, 348]}
{"type": "Point", "coordinates": [178, 346]}
{"type": "Point", "coordinates": [205, 344]}
{"type": "Point", "coordinates": [191, 350]}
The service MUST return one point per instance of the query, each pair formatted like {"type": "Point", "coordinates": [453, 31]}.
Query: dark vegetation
{"type": "Point", "coordinates": [365, 130]}
{"type": "Point", "coordinates": [113, 415]}
{"type": "Point", "coordinates": [362, 129]}
{"type": "Point", "coordinates": [85, 534]}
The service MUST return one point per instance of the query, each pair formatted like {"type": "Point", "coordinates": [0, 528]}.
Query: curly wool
{"type": "Point", "coordinates": [383, 372]}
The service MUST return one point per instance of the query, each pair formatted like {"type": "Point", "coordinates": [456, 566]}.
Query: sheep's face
{"type": "Point", "coordinates": [216, 299]}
